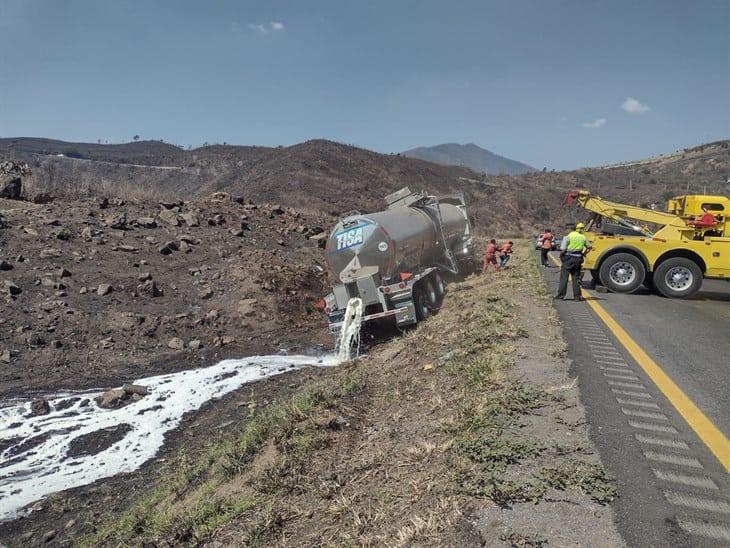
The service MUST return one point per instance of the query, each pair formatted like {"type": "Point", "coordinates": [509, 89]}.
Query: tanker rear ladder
{"type": "Point", "coordinates": [450, 256]}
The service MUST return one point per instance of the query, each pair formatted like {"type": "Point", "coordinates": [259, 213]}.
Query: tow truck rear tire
{"type": "Point", "coordinates": [421, 304]}
{"type": "Point", "coordinates": [678, 278]}
{"type": "Point", "coordinates": [622, 273]}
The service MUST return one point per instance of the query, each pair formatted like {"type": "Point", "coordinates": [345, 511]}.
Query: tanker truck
{"type": "Point", "coordinates": [396, 260]}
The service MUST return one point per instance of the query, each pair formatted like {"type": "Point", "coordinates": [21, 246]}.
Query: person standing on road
{"type": "Point", "coordinates": [490, 256]}
{"type": "Point", "coordinates": [504, 252]}
{"type": "Point", "coordinates": [572, 249]}
{"type": "Point", "coordinates": [546, 245]}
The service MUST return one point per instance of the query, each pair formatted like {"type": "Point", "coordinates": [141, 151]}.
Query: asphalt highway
{"type": "Point", "coordinates": [655, 379]}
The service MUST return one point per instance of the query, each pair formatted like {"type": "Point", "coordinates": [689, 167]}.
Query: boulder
{"type": "Point", "coordinates": [176, 343]}
{"type": "Point", "coordinates": [149, 289]}
{"type": "Point", "coordinates": [171, 205]}
{"type": "Point", "coordinates": [50, 252]}
{"type": "Point", "coordinates": [189, 239]}
{"type": "Point", "coordinates": [111, 398]}
{"type": "Point", "coordinates": [63, 273]}
{"type": "Point", "coordinates": [205, 293]}
{"type": "Point", "coordinates": [11, 187]}
{"type": "Point", "coordinates": [5, 356]}
{"type": "Point", "coordinates": [119, 222]}
{"type": "Point", "coordinates": [39, 407]}
{"type": "Point", "coordinates": [146, 222]}
{"type": "Point", "coordinates": [190, 219]}
{"type": "Point", "coordinates": [195, 344]}
{"type": "Point", "coordinates": [87, 234]}
{"type": "Point", "coordinates": [169, 216]}
{"type": "Point", "coordinates": [168, 247]}
{"type": "Point", "coordinates": [216, 220]}
{"type": "Point", "coordinates": [138, 389]}
{"type": "Point", "coordinates": [104, 289]}
{"type": "Point", "coordinates": [11, 288]}
{"type": "Point", "coordinates": [127, 248]}
{"type": "Point", "coordinates": [5, 265]}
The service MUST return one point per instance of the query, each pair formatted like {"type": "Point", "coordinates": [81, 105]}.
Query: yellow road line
{"type": "Point", "coordinates": [710, 435]}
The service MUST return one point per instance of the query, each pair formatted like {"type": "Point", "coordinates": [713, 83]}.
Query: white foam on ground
{"type": "Point", "coordinates": [29, 473]}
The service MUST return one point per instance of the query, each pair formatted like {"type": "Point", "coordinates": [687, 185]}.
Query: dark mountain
{"type": "Point", "coordinates": [471, 156]}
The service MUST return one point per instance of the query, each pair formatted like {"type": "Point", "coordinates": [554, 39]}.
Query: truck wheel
{"type": "Point", "coordinates": [678, 278]}
{"type": "Point", "coordinates": [439, 287]}
{"type": "Point", "coordinates": [432, 299]}
{"type": "Point", "coordinates": [419, 301]}
{"type": "Point", "coordinates": [622, 273]}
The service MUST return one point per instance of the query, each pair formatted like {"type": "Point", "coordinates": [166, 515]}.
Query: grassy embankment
{"type": "Point", "coordinates": [395, 448]}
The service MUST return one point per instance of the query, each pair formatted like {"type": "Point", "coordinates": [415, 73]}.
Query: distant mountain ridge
{"type": "Point", "coordinates": [470, 155]}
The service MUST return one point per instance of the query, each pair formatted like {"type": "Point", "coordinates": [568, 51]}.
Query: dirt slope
{"type": "Point", "coordinates": [466, 431]}
{"type": "Point", "coordinates": [107, 291]}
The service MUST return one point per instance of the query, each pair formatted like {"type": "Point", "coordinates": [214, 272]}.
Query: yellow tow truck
{"type": "Point", "coordinates": [668, 251]}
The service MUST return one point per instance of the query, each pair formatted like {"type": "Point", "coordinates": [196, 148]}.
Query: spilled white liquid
{"type": "Point", "coordinates": [36, 461]}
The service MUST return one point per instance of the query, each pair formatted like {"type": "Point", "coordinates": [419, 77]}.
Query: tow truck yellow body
{"type": "Point", "coordinates": [668, 251]}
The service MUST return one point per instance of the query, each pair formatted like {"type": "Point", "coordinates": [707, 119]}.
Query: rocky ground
{"type": "Point", "coordinates": [97, 292]}
{"type": "Point", "coordinates": [466, 431]}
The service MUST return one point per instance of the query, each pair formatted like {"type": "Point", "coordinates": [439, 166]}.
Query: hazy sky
{"type": "Point", "coordinates": [551, 83]}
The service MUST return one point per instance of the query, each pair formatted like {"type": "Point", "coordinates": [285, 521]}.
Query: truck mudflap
{"type": "Point", "coordinates": [400, 311]}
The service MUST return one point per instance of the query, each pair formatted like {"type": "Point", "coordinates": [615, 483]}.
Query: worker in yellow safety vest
{"type": "Point", "coordinates": [572, 249]}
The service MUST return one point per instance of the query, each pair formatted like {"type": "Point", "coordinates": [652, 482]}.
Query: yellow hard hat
{"type": "Point", "coordinates": [580, 226]}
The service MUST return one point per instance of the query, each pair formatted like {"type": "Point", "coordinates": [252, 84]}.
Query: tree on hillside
{"type": "Point", "coordinates": [136, 138]}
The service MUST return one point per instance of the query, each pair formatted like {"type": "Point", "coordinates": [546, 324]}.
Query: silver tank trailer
{"type": "Point", "coordinates": [400, 239]}
{"type": "Point", "coordinates": [383, 257]}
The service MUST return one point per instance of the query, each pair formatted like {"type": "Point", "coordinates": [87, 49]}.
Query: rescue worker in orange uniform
{"type": "Point", "coordinates": [504, 252]}
{"type": "Point", "coordinates": [546, 245]}
{"type": "Point", "coordinates": [490, 256]}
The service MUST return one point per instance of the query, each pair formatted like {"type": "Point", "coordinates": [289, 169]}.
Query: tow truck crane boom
{"type": "Point", "coordinates": [621, 212]}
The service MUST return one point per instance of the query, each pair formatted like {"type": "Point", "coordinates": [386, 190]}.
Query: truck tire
{"type": "Point", "coordinates": [421, 304]}
{"type": "Point", "coordinates": [622, 273]}
{"type": "Point", "coordinates": [439, 287]}
{"type": "Point", "coordinates": [431, 297]}
{"type": "Point", "coordinates": [677, 278]}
